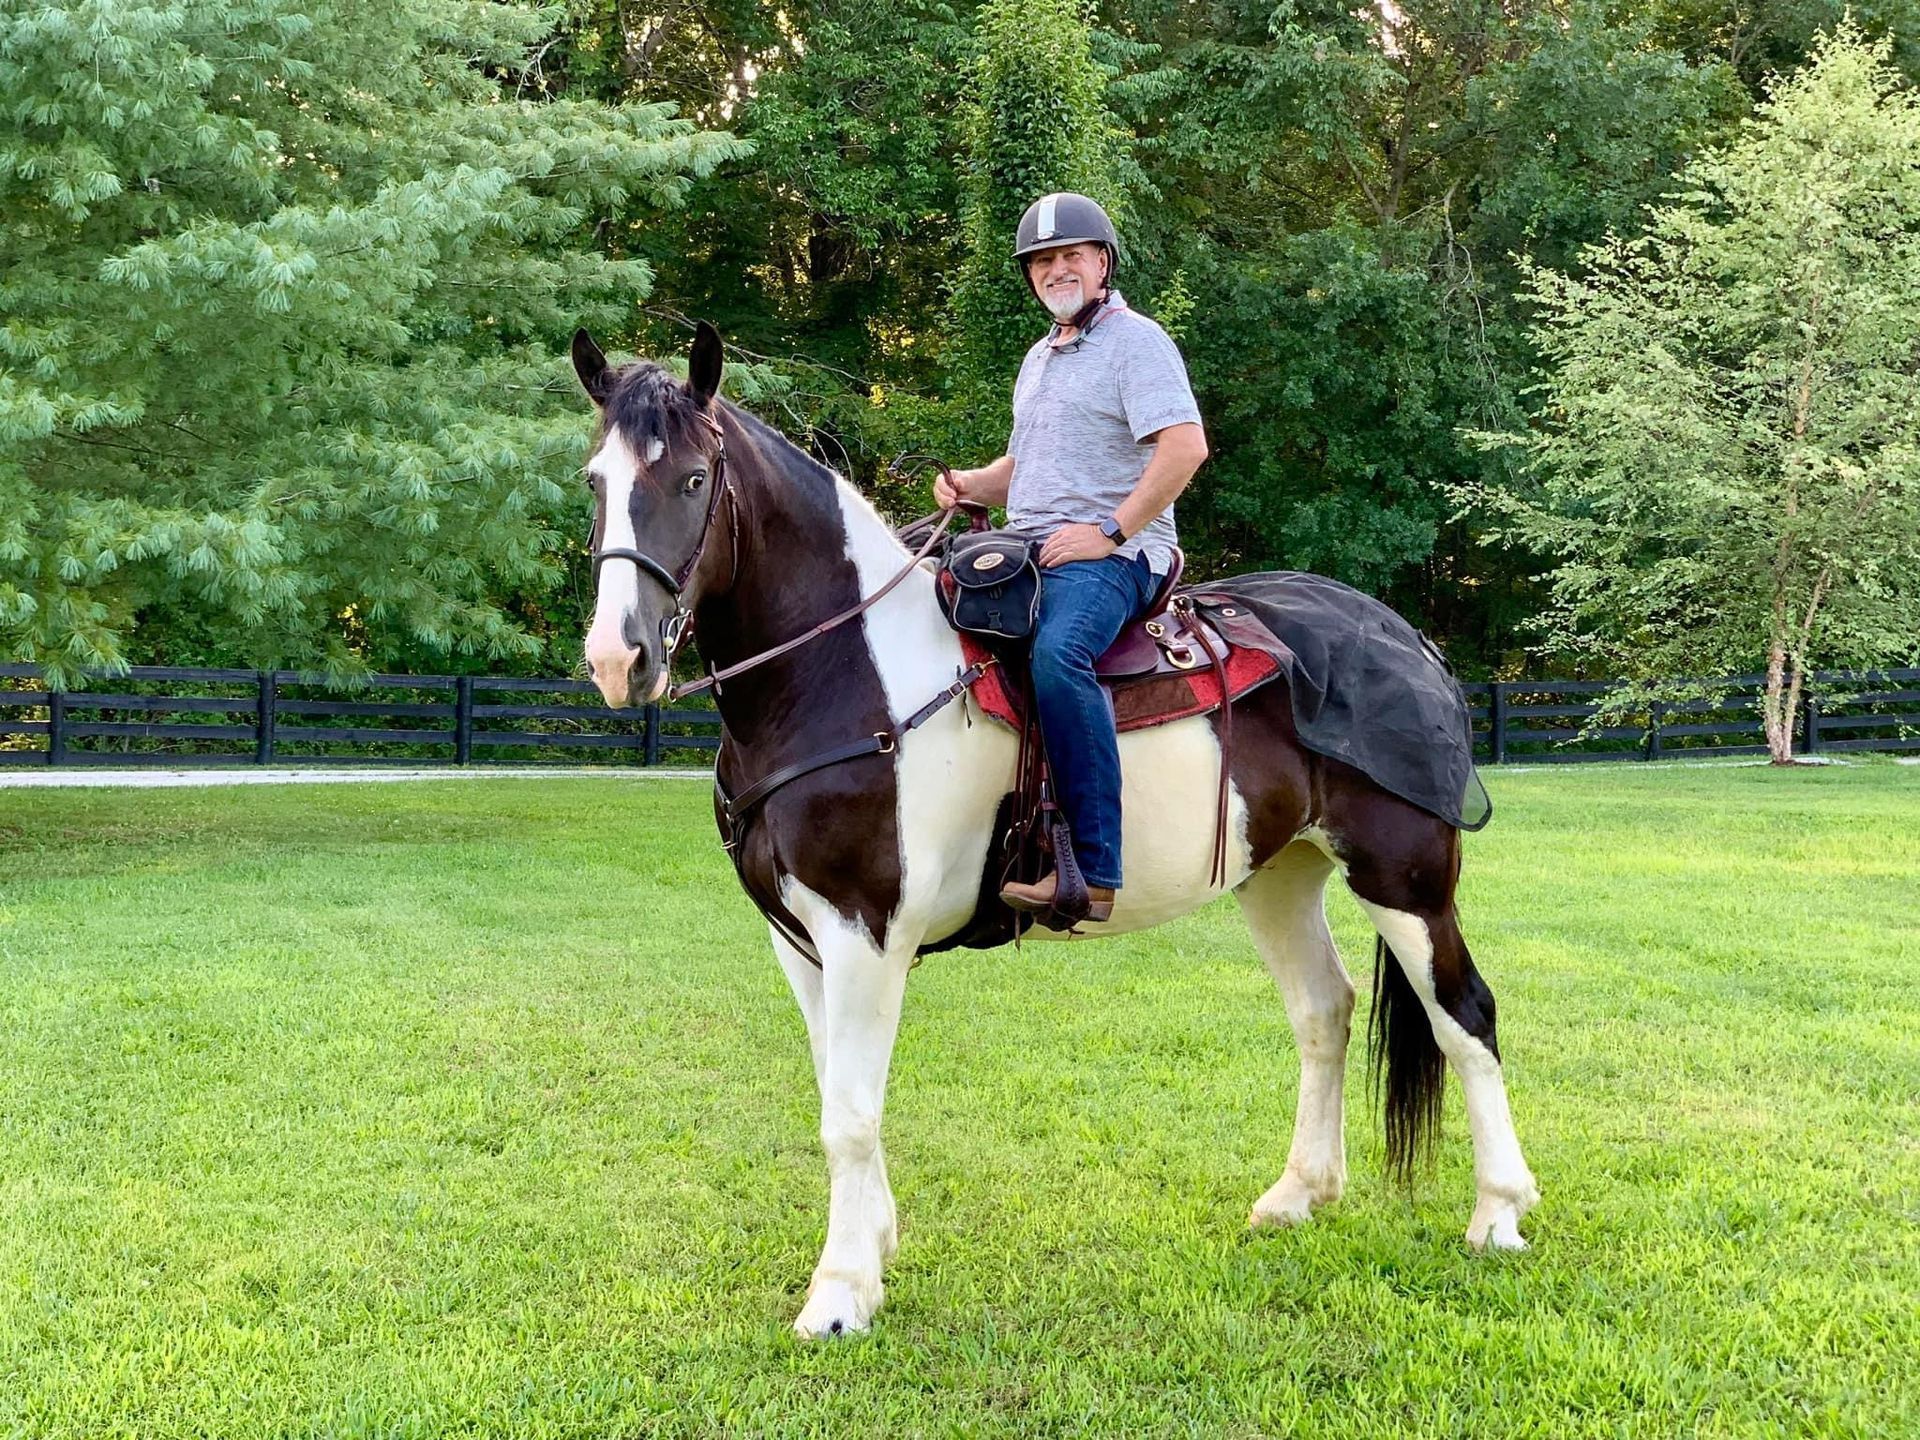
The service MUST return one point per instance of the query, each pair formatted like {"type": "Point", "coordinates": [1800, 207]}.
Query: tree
{"type": "Point", "coordinates": [283, 287]}
{"type": "Point", "coordinates": [1728, 466]}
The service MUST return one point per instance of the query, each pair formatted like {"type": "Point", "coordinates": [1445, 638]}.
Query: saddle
{"type": "Point", "coordinates": [1171, 663]}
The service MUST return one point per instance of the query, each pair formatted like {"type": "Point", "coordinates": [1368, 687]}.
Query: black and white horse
{"type": "Point", "coordinates": [881, 855]}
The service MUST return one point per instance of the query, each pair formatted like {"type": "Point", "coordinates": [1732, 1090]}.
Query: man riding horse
{"type": "Point", "coordinates": [1106, 435]}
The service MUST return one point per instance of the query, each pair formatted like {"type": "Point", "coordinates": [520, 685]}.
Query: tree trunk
{"type": "Point", "coordinates": [1776, 710]}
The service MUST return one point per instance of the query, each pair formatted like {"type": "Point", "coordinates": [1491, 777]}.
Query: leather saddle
{"type": "Point", "coordinates": [1165, 640]}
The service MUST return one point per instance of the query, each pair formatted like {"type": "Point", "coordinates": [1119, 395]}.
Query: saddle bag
{"type": "Point", "coordinates": [990, 585]}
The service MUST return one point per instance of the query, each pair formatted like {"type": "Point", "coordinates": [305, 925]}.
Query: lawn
{"type": "Point", "coordinates": [482, 1109]}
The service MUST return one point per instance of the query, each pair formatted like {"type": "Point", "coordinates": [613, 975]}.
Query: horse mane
{"type": "Point", "coordinates": [646, 403]}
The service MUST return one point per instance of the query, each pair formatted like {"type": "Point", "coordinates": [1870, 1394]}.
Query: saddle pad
{"type": "Point", "coordinates": [1137, 704]}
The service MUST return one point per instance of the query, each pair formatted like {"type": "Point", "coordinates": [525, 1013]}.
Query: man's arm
{"type": "Point", "coordinates": [985, 486]}
{"type": "Point", "coordinates": [1178, 452]}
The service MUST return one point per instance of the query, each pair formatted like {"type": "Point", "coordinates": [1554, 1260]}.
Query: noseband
{"type": "Point", "coordinates": [673, 628]}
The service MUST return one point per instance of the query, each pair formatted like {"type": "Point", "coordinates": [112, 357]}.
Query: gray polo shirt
{"type": "Point", "coordinates": [1081, 415]}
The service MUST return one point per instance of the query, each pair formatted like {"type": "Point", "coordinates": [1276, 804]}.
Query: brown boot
{"type": "Point", "coordinates": [1037, 898]}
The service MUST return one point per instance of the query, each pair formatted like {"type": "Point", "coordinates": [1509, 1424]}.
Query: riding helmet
{"type": "Point", "coordinates": [1064, 219]}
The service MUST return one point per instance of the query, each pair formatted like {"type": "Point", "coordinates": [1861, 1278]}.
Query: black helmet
{"type": "Point", "coordinates": [1064, 219]}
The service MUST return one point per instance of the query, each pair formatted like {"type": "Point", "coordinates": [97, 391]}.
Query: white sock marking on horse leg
{"type": "Point", "coordinates": [862, 989]}
{"type": "Point", "coordinates": [1285, 906]}
{"type": "Point", "coordinates": [1505, 1184]}
{"type": "Point", "coordinates": [810, 994]}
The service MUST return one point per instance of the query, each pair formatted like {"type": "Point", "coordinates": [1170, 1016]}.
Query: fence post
{"type": "Point", "coordinates": [463, 720]}
{"type": "Point", "coordinates": [1656, 712]}
{"type": "Point", "coordinates": [266, 714]}
{"type": "Point", "coordinates": [650, 755]}
{"type": "Point", "coordinates": [1497, 721]}
{"type": "Point", "coordinates": [56, 727]}
{"type": "Point", "coordinates": [1810, 725]}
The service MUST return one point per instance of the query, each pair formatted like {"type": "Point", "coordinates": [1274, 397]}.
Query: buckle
{"type": "Point", "coordinates": [886, 739]}
{"type": "Point", "coordinates": [1183, 659]}
{"type": "Point", "coordinates": [1156, 629]}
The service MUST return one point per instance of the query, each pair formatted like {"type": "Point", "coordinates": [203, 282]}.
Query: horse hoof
{"type": "Point", "coordinates": [834, 1308]}
{"type": "Point", "coordinates": [1289, 1202]}
{"type": "Point", "coordinates": [1496, 1226]}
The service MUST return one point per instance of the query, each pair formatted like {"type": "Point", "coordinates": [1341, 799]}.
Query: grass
{"type": "Point", "coordinates": [482, 1109]}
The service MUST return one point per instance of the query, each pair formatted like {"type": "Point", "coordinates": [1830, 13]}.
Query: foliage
{"type": "Point", "coordinates": [1036, 123]}
{"type": "Point", "coordinates": [1729, 466]}
{"type": "Point", "coordinates": [284, 286]}
{"type": "Point", "coordinates": [1332, 200]}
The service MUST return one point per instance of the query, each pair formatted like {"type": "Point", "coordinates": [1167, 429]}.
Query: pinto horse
{"type": "Point", "coordinates": [703, 513]}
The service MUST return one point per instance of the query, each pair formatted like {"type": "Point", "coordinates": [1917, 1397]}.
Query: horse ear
{"type": "Point", "coordinates": [703, 367]}
{"type": "Point", "coordinates": [596, 376]}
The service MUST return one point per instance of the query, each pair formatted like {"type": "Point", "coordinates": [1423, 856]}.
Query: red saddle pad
{"type": "Point", "coordinates": [1141, 702]}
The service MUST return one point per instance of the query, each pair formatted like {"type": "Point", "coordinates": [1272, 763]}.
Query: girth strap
{"type": "Point", "coordinates": [1184, 608]}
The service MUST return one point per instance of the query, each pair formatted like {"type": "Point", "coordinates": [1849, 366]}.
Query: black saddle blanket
{"type": "Point", "coordinates": [1367, 687]}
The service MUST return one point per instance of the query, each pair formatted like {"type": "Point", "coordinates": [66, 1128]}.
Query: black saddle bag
{"type": "Point", "coordinates": [990, 585]}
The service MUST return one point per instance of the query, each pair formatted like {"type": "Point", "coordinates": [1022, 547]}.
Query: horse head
{"type": "Point", "coordinates": [658, 474]}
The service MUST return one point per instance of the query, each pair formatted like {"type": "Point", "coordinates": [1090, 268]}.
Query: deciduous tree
{"type": "Point", "coordinates": [1728, 463]}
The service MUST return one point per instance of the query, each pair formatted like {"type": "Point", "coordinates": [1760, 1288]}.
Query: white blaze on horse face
{"type": "Point", "coordinates": [610, 659]}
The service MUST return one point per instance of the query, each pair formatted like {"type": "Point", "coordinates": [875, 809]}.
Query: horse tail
{"type": "Point", "coordinates": [1402, 1050]}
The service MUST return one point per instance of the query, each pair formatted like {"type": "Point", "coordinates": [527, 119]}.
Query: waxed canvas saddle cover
{"type": "Point", "coordinates": [1367, 688]}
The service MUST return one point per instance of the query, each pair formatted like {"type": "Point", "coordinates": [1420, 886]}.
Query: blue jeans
{"type": "Point", "coordinates": [1083, 607]}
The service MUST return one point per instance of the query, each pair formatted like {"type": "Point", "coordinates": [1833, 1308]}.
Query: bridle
{"type": "Point", "coordinates": [674, 627]}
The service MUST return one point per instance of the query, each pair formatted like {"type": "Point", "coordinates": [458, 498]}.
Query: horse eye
{"type": "Point", "coordinates": [693, 482]}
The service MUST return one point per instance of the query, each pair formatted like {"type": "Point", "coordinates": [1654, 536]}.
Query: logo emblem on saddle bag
{"type": "Point", "coordinates": [991, 585]}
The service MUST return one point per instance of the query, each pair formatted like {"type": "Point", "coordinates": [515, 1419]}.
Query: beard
{"type": "Point", "coordinates": [1064, 304]}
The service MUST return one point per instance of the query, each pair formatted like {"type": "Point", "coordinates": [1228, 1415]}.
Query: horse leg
{"type": "Point", "coordinates": [1430, 953]}
{"type": "Point", "coordinates": [809, 992]}
{"type": "Point", "coordinates": [1402, 866]}
{"type": "Point", "coordinates": [862, 986]}
{"type": "Point", "coordinates": [1285, 906]}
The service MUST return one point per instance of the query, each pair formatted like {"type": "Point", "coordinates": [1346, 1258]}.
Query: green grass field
{"type": "Point", "coordinates": [482, 1109]}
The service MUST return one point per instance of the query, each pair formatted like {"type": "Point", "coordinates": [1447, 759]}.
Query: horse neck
{"type": "Point", "coordinates": [811, 547]}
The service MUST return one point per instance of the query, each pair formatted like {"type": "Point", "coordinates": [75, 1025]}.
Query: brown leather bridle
{"type": "Point", "coordinates": [674, 627]}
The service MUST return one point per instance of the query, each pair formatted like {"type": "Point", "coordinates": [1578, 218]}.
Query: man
{"type": "Point", "coordinates": [1105, 434]}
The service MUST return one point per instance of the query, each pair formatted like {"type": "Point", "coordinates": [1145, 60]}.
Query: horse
{"type": "Point", "coordinates": [704, 515]}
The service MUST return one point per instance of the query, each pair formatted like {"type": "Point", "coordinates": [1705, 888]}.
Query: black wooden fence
{"type": "Point", "coordinates": [281, 718]}
{"type": "Point", "coordinates": [1543, 721]}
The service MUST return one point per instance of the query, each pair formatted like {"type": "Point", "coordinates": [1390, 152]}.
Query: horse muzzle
{"type": "Point", "coordinates": [625, 674]}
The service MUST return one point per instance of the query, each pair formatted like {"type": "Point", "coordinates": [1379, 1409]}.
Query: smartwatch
{"type": "Point", "coordinates": [1110, 527]}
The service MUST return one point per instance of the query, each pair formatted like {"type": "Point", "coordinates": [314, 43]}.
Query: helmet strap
{"type": "Point", "coordinates": [1084, 316]}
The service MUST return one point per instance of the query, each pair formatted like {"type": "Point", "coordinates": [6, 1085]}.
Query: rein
{"type": "Point", "coordinates": [939, 520]}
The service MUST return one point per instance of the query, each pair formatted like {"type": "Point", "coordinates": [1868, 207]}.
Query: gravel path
{"type": "Point", "coordinates": [155, 777]}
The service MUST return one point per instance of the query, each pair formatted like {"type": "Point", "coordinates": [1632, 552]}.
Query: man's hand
{"type": "Point", "coordinates": [1075, 542]}
{"type": "Point", "coordinates": [950, 488]}
{"type": "Point", "coordinates": [985, 486]}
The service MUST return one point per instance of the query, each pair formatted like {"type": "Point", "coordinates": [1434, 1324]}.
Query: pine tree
{"type": "Point", "coordinates": [284, 302]}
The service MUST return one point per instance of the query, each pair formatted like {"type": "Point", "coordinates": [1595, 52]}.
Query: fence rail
{"type": "Point", "coordinates": [283, 718]}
